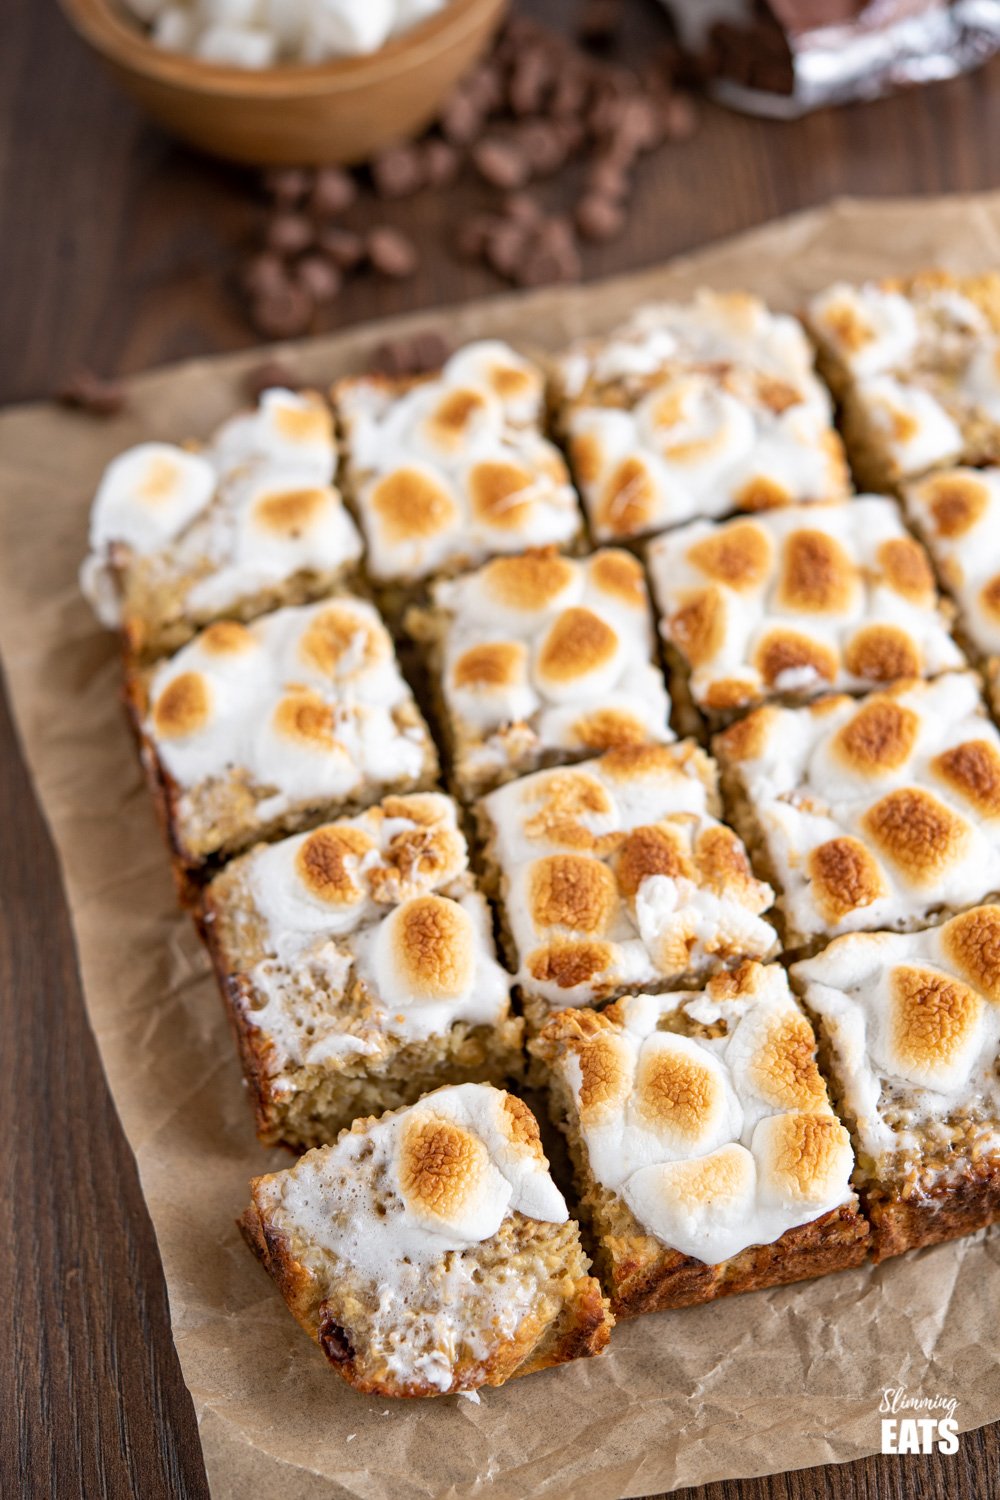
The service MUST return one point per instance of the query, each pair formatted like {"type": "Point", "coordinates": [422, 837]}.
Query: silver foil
{"type": "Point", "coordinates": [860, 60]}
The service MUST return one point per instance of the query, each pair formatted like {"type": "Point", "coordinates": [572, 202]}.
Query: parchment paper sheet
{"type": "Point", "coordinates": [753, 1385]}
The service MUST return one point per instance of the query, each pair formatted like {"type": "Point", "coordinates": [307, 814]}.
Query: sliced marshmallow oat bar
{"type": "Point", "coordinates": [910, 1030]}
{"type": "Point", "coordinates": [180, 537]}
{"type": "Point", "coordinates": [784, 606]}
{"type": "Point", "coordinates": [878, 814]}
{"type": "Point", "coordinates": [915, 363]}
{"type": "Point", "coordinates": [617, 874]}
{"type": "Point", "coordinates": [540, 659]}
{"type": "Point", "coordinates": [448, 470]}
{"type": "Point", "coordinates": [251, 731]}
{"type": "Point", "coordinates": [357, 965]}
{"type": "Point", "coordinates": [429, 1251]}
{"type": "Point", "coordinates": [697, 409]}
{"type": "Point", "coordinates": [706, 1154]}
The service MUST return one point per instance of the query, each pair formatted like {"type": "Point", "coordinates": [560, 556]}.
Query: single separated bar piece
{"type": "Point", "coordinates": [910, 1034]}
{"type": "Point", "coordinates": [707, 1158]}
{"type": "Point", "coordinates": [618, 874]}
{"type": "Point", "coordinates": [915, 364]}
{"type": "Point", "coordinates": [542, 659]}
{"type": "Point", "coordinates": [252, 731]}
{"type": "Point", "coordinates": [448, 470]}
{"type": "Point", "coordinates": [783, 606]}
{"type": "Point", "coordinates": [429, 1251]}
{"type": "Point", "coordinates": [696, 409]}
{"type": "Point", "coordinates": [878, 814]}
{"type": "Point", "coordinates": [358, 969]}
{"type": "Point", "coordinates": [180, 537]}
{"type": "Point", "coordinates": [957, 512]}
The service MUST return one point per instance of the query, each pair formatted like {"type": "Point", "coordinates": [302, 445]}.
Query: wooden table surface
{"type": "Point", "coordinates": [117, 253]}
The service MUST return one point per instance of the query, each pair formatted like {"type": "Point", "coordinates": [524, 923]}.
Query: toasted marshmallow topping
{"type": "Point", "coordinates": [707, 1113]}
{"type": "Point", "coordinates": [874, 813]}
{"type": "Point", "coordinates": [254, 509]}
{"type": "Point", "coordinates": [714, 327]}
{"type": "Point", "coordinates": [913, 1020]}
{"type": "Point", "coordinates": [922, 358]}
{"type": "Point", "coordinates": [439, 1176]}
{"type": "Point", "coordinates": [299, 707]}
{"type": "Point", "coordinates": [616, 873]}
{"type": "Point", "coordinates": [542, 652]}
{"type": "Point", "coordinates": [702, 443]}
{"type": "Point", "coordinates": [958, 514]}
{"type": "Point", "coordinates": [799, 601]}
{"type": "Point", "coordinates": [451, 470]}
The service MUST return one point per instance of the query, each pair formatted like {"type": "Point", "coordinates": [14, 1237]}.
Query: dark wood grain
{"type": "Point", "coordinates": [116, 253]}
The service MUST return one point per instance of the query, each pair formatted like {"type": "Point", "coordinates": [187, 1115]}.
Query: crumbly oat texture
{"type": "Point", "coordinates": [358, 968]}
{"type": "Point", "coordinates": [182, 537]}
{"type": "Point", "coordinates": [784, 606]}
{"type": "Point", "coordinates": [429, 1251]}
{"type": "Point", "coordinates": [706, 1153]}
{"type": "Point", "coordinates": [542, 658]}
{"type": "Point", "coordinates": [957, 512]}
{"type": "Point", "coordinates": [911, 1030]}
{"type": "Point", "coordinates": [883, 813]}
{"type": "Point", "coordinates": [254, 730]}
{"type": "Point", "coordinates": [916, 365]}
{"type": "Point", "coordinates": [697, 409]}
{"type": "Point", "coordinates": [446, 471]}
{"type": "Point", "coordinates": [617, 874]}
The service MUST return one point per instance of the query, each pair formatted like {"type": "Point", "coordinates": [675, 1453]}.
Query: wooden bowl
{"type": "Point", "coordinates": [341, 111]}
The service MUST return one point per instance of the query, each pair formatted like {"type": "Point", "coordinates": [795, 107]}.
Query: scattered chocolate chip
{"type": "Point", "coordinates": [391, 252]}
{"type": "Point", "coordinates": [599, 218]}
{"type": "Point", "coordinates": [284, 313]}
{"type": "Point", "coordinates": [680, 118]}
{"type": "Point", "coordinates": [320, 278]}
{"type": "Point", "coordinates": [607, 177]}
{"type": "Point", "coordinates": [335, 1342]}
{"type": "Point", "coordinates": [505, 247]}
{"type": "Point", "coordinates": [287, 185]}
{"type": "Point", "coordinates": [441, 162]}
{"type": "Point", "coordinates": [473, 234]}
{"type": "Point", "coordinates": [344, 247]}
{"type": "Point", "coordinates": [398, 172]}
{"type": "Point", "coordinates": [334, 190]}
{"type": "Point", "coordinates": [529, 83]}
{"type": "Point", "coordinates": [522, 207]}
{"type": "Point", "coordinates": [264, 273]}
{"type": "Point", "coordinates": [461, 120]}
{"type": "Point", "coordinates": [90, 393]}
{"type": "Point", "coordinates": [289, 234]}
{"type": "Point", "coordinates": [543, 146]}
{"type": "Point", "coordinates": [410, 356]}
{"type": "Point", "coordinates": [500, 163]}
{"type": "Point", "coordinates": [268, 375]}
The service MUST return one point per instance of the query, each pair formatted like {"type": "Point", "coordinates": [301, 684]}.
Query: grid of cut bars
{"type": "Point", "coordinates": [351, 828]}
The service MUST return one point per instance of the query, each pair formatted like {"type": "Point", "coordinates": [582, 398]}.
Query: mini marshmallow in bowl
{"type": "Point", "coordinates": [262, 33]}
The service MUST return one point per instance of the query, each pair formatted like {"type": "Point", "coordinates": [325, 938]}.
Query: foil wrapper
{"type": "Point", "coordinates": [785, 57]}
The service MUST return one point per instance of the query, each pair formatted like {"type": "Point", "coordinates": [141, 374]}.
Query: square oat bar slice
{"type": "Point", "coordinates": [448, 470]}
{"type": "Point", "coordinates": [909, 1027]}
{"type": "Point", "coordinates": [780, 607]}
{"type": "Point", "coordinates": [429, 1251]}
{"type": "Point", "coordinates": [358, 969]}
{"type": "Point", "coordinates": [181, 536]}
{"type": "Point", "coordinates": [707, 1158]}
{"type": "Point", "coordinates": [957, 512]}
{"type": "Point", "coordinates": [618, 874]}
{"type": "Point", "coordinates": [883, 813]}
{"type": "Point", "coordinates": [915, 364]}
{"type": "Point", "coordinates": [251, 731]}
{"type": "Point", "coordinates": [541, 659]}
{"type": "Point", "coordinates": [696, 409]}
